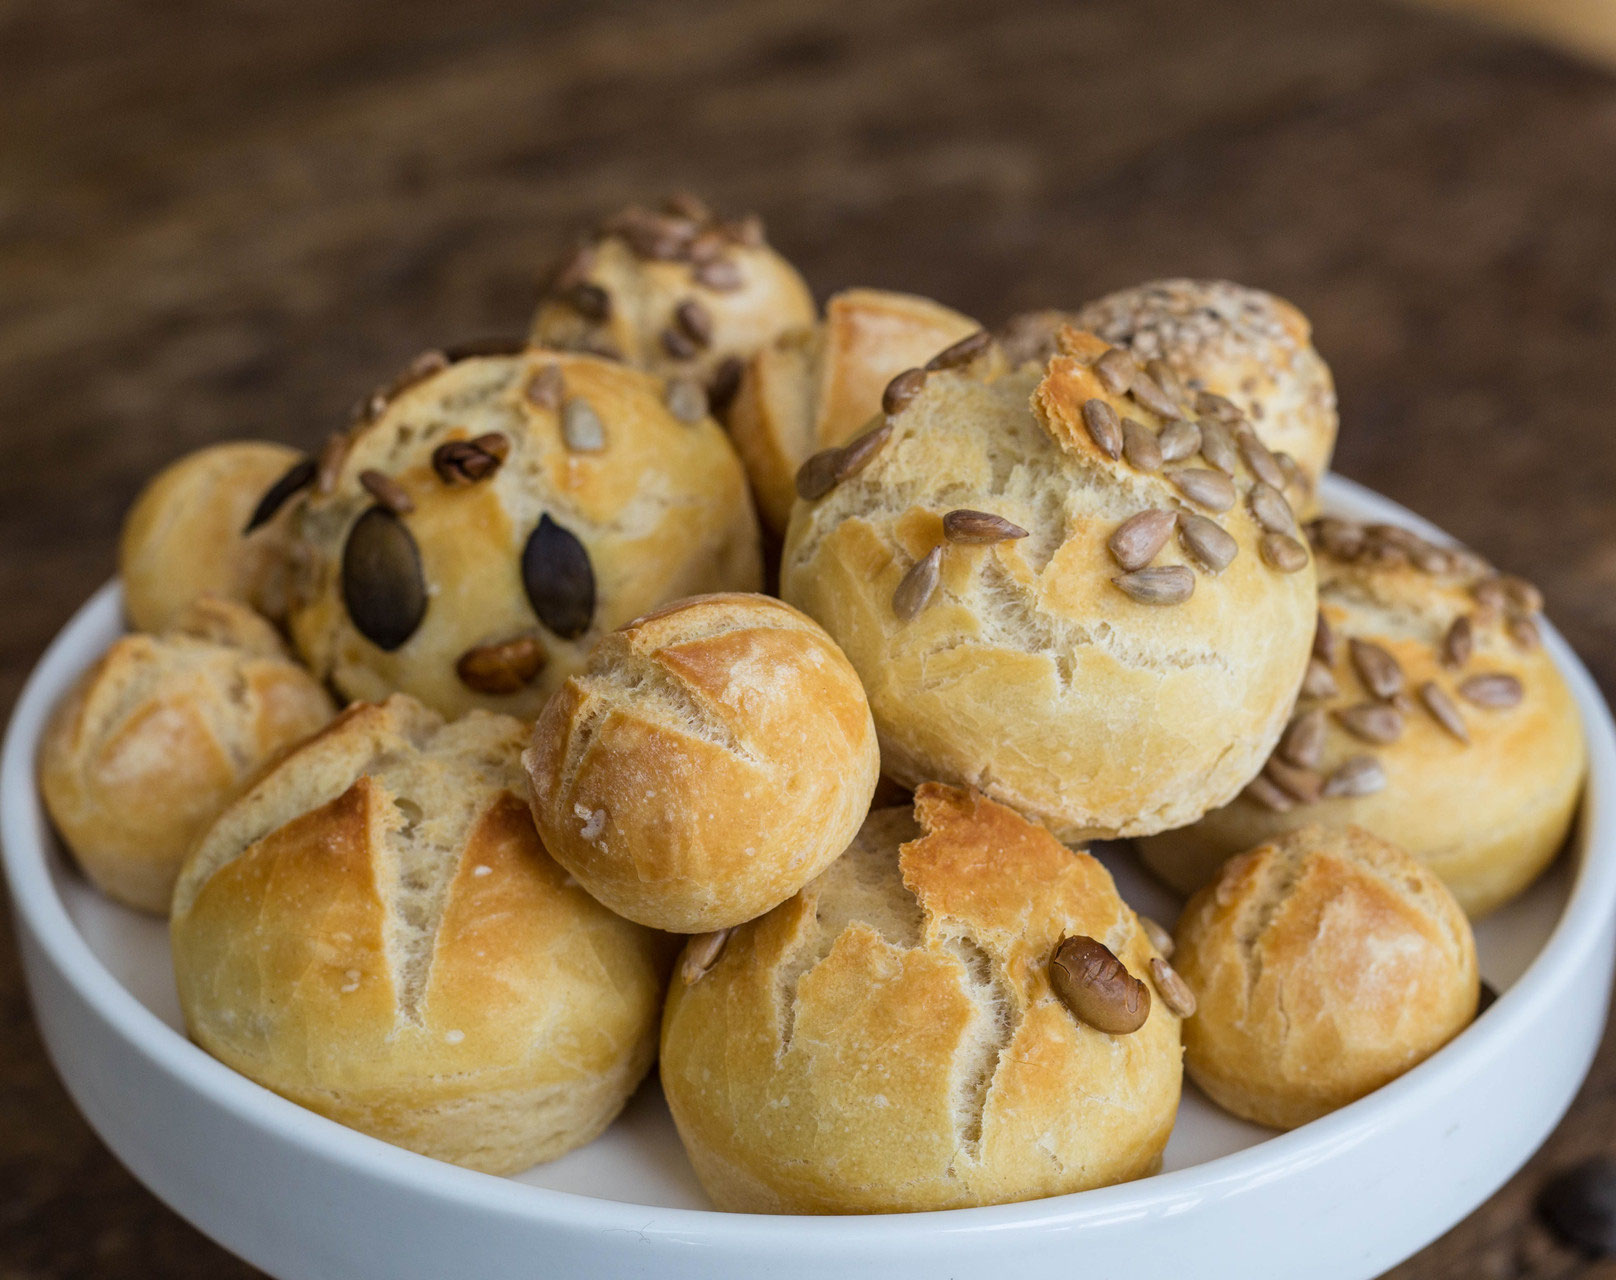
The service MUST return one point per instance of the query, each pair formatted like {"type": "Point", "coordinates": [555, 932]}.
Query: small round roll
{"type": "Point", "coordinates": [713, 757]}
{"type": "Point", "coordinates": [374, 931]}
{"type": "Point", "coordinates": [815, 388]}
{"type": "Point", "coordinates": [1058, 589]}
{"type": "Point", "coordinates": [187, 534]}
{"type": "Point", "coordinates": [156, 738]}
{"type": "Point", "coordinates": [890, 1039]}
{"type": "Point", "coordinates": [677, 291]}
{"type": "Point", "coordinates": [1324, 965]}
{"type": "Point", "coordinates": [1431, 715]}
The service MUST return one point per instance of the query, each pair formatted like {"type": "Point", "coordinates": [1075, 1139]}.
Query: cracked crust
{"type": "Point", "coordinates": [711, 760]}
{"type": "Point", "coordinates": [374, 931]}
{"type": "Point", "coordinates": [1030, 675]}
{"type": "Point", "coordinates": [1324, 965]}
{"type": "Point", "coordinates": [888, 1041]}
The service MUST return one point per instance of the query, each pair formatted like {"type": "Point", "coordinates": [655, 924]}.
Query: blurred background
{"type": "Point", "coordinates": [232, 219]}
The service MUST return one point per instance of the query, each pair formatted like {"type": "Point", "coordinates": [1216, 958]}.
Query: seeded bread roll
{"type": "Point", "coordinates": [677, 291]}
{"type": "Point", "coordinates": [1049, 596]}
{"type": "Point", "coordinates": [156, 738]}
{"type": "Point", "coordinates": [374, 931]}
{"type": "Point", "coordinates": [186, 535]}
{"type": "Point", "coordinates": [712, 758]}
{"type": "Point", "coordinates": [814, 388]}
{"type": "Point", "coordinates": [888, 1040]}
{"type": "Point", "coordinates": [1431, 715]}
{"type": "Point", "coordinates": [470, 540]}
{"type": "Point", "coordinates": [1324, 965]}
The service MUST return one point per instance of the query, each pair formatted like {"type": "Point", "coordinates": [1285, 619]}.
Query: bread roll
{"type": "Point", "coordinates": [157, 736]}
{"type": "Point", "coordinates": [712, 758]}
{"type": "Point", "coordinates": [1101, 679]}
{"type": "Point", "coordinates": [677, 291]}
{"type": "Point", "coordinates": [374, 931]}
{"type": "Point", "coordinates": [888, 1040]}
{"type": "Point", "coordinates": [1481, 788]}
{"type": "Point", "coordinates": [814, 388]}
{"type": "Point", "coordinates": [472, 538]}
{"type": "Point", "coordinates": [187, 535]}
{"type": "Point", "coordinates": [1324, 965]}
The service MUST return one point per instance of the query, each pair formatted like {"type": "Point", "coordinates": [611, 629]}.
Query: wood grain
{"type": "Point", "coordinates": [231, 219]}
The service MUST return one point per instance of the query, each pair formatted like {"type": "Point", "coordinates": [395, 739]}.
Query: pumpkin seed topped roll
{"type": "Point", "coordinates": [1060, 586]}
{"type": "Point", "coordinates": [489, 518]}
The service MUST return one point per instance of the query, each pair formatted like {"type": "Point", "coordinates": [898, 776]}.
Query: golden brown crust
{"type": "Point", "coordinates": [1487, 814]}
{"type": "Point", "coordinates": [1029, 672]}
{"type": "Point", "coordinates": [711, 760]}
{"type": "Point", "coordinates": [810, 390]}
{"type": "Point", "coordinates": [1324, 966]}
{"type": "Point", "coordinates": [660, 510]}
{"type": "Point", "coordinates": [183, 536]}
{"type": "Point", "coordinates": [156, 738]}
{"type": "Point", "coordinates": [375, 931]}
{"type": "Point", "coordinates": [884, 1044]}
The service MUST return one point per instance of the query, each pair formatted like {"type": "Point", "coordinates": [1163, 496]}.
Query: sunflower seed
{"type": "Point", "coordinates": [1380, 672]}
{"type": "Point", "coordinates": [1521, 595]}
{"type": "Point", "coordinates": [1393, 535]}
{"type": "Point", "coordinates": [1432, 559]}
{"type": "Point", "coordinates": [1140, 447]}
{"type": "Point", "coordinates": [1134, 543]}
{"type": "Point", "coordinates": [1302, 743]}
{"type": "Point", "coordinates": [860, 452]}
{"type": "Point", "coordinates": [1104, 429]}
{"type": "Point", "coordinates": [1261, 791]}
{"type": "Point", "coordinates": [1324, 640]}
{"type": "Point", "coordinates": [1209, 544]}
{"type": "Point", "coordinates": [694, 321]}
{"type": "Point", "coordinates": [686, 204]}
{"type": "Point", "coordinates": [723, 383]}
{"type": "Point", "coordinates": [1175, 992]}
{"type": "Point", "coordinates": [1210, 489]}
{"type": "Point", "coordinates": [685, 399]}
{"type": "Point", "coordinates": [962, 352]}
{"type": "Point", "coordinates": [1284, 554]}
{"type": "Point", "coordinates": [1524, 632]}
{"type": "Point", "coordinates": [678, 344]}
{"type": "Point", "coordinates": [1115, 370]}
{"type": "Point", "coordinates": [1301, 785]}
{"type": "Point", "coordinates": [581, 427]}
{"type": "Point", "coordinates": [1490, 595]}
{"type": "Point", "coordinates": [1217, 447]}
{"type": "Point", "coordinates": [979, 527]}
{"type": "Point", "coordinates": [1271, 511]}
{"type": "Point", "coordinates": [1494, 691]}
{"type": "Point", "coordinates": [746, 230]}
{"type": "Point", "coordinates": [545, 388]}
{"type": "Point", "coordinates": [1211, 405]}
{"type": "Point", "coordinates": [463, 462]}
{"type": "Point", "coordinates": [1443, 710]}
{"type": "Point", "coordinates": [1148, 392]}
{"type": "Point", "coordinates": [383, 587]}
{"type": "Point", "coordinates": [558, 579]}
{"type": "Point", "coordinates": [1292, 470]}
{"type": "Point", "coordinates": [590, 301]}
{"type": "Point", "coordinates": [387, 491]}
{"type": "Point", "coordinates": [506, 667]}
{"type": "Point", "coordinates": [1261, 462]}
{"type": "Point", "coordinates": [918, 586]}
{"type": "Point", "coordinates": [1168, 380]}
{"type": "Point", "coordinates": [333, 456]}
{"type": "Point", "coordinates": [1343, 539]}
{"type": "Point", "coordinates": [1167, 584]}
{"type": "Point", "coordinates": [1357, 776]}
{"type": "Point", "coordinates": [1179, 440]}
{"type": "Point", "coordinates": [1459, 643]}
{"type": "Point", "coordinates": [901, 390]}
{"type": "Point", "coordinates": [721, 275]}
{"type": "Point", "coordinates": [817, 476]}
{"type": "Point", "coordinates": [298, 477]}
{"type": "Point", "coordinates": [1375, 722]}
{"type": "Point", "coordinates": [1158, 937]}
{"type": "Point", "coordinates": [1319, 682]}
{"type": "Point", "coordinates": [702, 952]}
{"type": "Point", "coordinates": [572, 269]}
{"type": "Point", "coordinates": [1096, 988]}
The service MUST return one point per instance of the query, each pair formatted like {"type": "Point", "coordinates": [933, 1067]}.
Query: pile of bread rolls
{"type": "Point", "coordinates": [438, 743]}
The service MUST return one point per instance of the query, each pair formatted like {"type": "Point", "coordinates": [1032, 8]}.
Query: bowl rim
{"type": "Point", "coordinates": [25, 841]}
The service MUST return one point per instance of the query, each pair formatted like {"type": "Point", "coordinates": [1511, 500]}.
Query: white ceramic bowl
{"type": "Point", "coordinates": [305, 1199]}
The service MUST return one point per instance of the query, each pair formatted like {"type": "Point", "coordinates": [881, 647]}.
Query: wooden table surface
{"type": "Point", "coordinates": [230, 219]}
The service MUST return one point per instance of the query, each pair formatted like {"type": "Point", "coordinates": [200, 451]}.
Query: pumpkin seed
{"type": "Point", "coordinates": [383, 586]}
{"type": "Point", "coordinates": [558, 579]}
{"type": "Point", "coordinates": [1135, 542]}
{"type": "Point", "coordinates": [1096, 987]}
